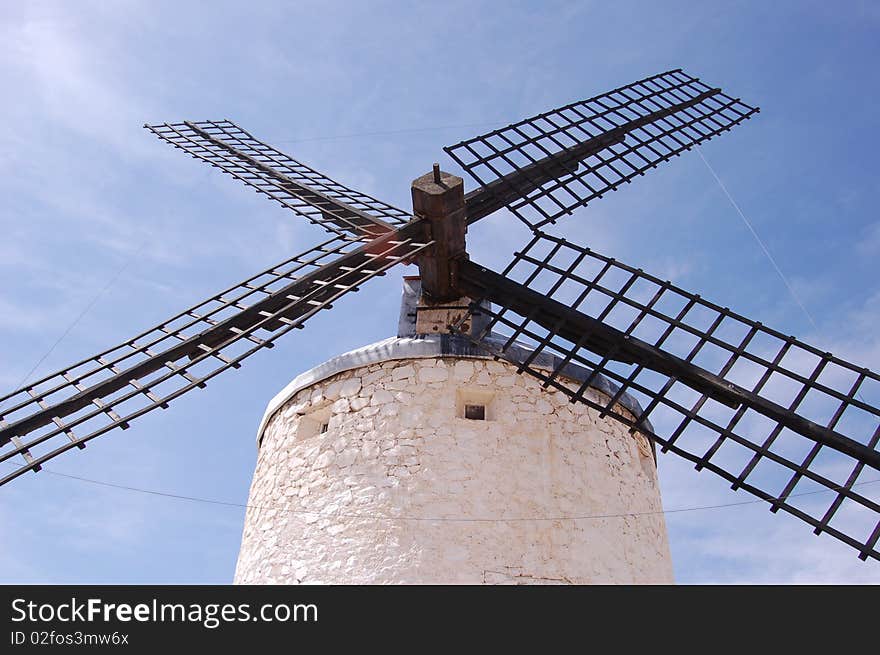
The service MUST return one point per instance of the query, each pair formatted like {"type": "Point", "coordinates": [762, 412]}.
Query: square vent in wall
{"type": "Point", "coordinates": [314, 423]}
{"type": "Point", "coordinates": [475, 405]}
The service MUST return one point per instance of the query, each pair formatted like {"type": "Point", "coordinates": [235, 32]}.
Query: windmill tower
{"type": "Point", "coordinates": [421, 459]}
{"type": "Point", "coordinates": [487, 441]}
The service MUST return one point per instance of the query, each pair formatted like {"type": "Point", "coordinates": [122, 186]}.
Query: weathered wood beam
{"type": "Point", "coordinates": [439, 199]}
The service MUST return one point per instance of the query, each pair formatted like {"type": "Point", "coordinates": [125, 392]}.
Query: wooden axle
{"type": "Point", "coordinates": [438, 197]}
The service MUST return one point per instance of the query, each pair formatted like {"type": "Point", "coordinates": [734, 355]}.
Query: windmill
{"type": "Point", "coordinates": [769, 414]}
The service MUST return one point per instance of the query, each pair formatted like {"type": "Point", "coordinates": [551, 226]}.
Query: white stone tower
{"type": "Point", "coordinates": [420, 460]}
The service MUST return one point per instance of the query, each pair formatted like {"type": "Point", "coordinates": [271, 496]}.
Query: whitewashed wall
{"type": "Point", "coordinates": [362, 502]}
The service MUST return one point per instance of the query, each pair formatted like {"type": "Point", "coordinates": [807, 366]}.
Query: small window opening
{"type": "Point", "coordinates": [314, 423]}
{"type": "Point", "coordinates": [475, 404]}
{"type": "Point", "coordinates": [475, 412]}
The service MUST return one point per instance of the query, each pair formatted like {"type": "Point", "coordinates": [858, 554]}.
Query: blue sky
{"type": "Point", "coordinates": [87, 193]}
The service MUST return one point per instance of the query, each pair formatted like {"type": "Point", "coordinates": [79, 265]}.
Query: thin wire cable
{"type": "Point", "coordinates": [81, 315]}
{"type": "Point", "coordinates": [765, 249]}
{"type": "Point", "coordinates": [211, 501]}
{"type": "Point", "coordinates": [759, 240]}
{"type": "Point", "coordinates": [388, 133]}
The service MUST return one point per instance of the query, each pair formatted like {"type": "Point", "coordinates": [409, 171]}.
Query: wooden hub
{"type": "Point", "coordinates": [442, 204]}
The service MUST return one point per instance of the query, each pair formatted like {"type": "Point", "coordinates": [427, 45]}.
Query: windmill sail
{"type": "Point", "coordinates": [307, 192]}
{"type": "Point", "coordinates": [770, 414]}
{"type": "Point", "coordinates": [68, 408]}
{"type": "Point", "coordinates": [543, 167]}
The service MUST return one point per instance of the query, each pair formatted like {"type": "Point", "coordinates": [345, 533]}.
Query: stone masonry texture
{"type": "Point", "coordinates": [399, 487]}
